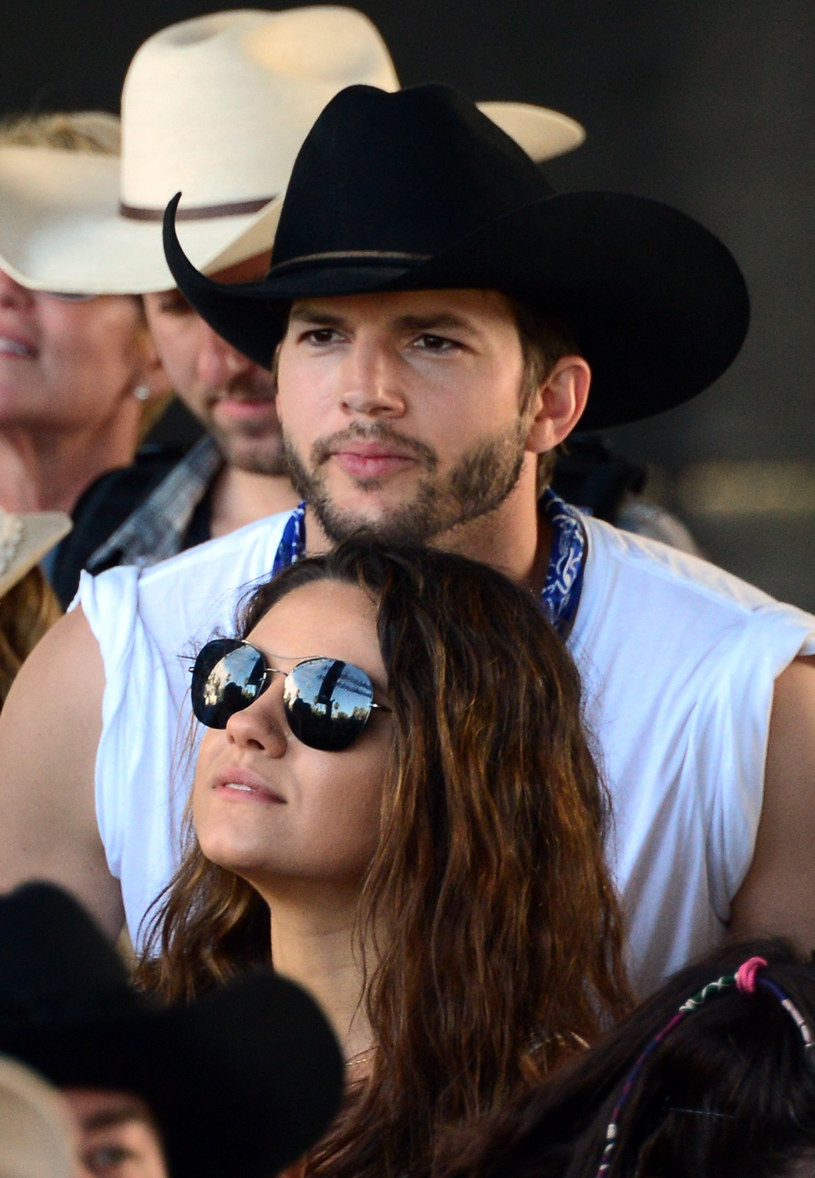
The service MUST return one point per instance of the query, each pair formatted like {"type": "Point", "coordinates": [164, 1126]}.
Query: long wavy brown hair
{"type": "Point", "coordinates": [495, 929]}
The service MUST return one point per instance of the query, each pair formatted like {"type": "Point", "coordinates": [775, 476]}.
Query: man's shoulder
{"type": "Point", "coordinates": [227, 558]}
{"type": "Point", "coordinates": [642, 586]}
{"type": "Point", "coordinates": [620, 561]}
{"type": "Point", "coordinates": [186, 594]}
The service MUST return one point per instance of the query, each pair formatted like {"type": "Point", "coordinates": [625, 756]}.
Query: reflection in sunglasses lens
{"type": "Point", "coordinates": [226, 681]}
{"type": "Point", "coordinates": [327, 703]}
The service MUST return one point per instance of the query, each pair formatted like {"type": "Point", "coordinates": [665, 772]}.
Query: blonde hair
{"type": "Point", "coordinates": [27, 610]}
{"type": "Point", "coordinates": [80, 130]}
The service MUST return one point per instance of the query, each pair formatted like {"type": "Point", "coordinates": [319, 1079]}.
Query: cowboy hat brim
{"type": "Point", "coordinates": [658, 304]}
{"type": "Point", "coordinates": [244, 1081]}
{"type": "Point", "coordinates": [62, 229]}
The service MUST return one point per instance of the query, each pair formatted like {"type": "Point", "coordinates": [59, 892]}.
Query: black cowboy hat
{"type": "Point", "coordinates": [241, 1082]}
{"type": "Point", "coordinates": [418, 190]}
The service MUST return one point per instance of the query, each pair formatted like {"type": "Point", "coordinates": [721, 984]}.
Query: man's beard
{"type": "Point", "coordinates": [479, 483]}
{"type": "Point", "coordinates": [258, 452]}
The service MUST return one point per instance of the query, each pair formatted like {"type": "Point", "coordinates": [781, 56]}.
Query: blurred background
{"type": "Point", "coordinates": [705, 104]}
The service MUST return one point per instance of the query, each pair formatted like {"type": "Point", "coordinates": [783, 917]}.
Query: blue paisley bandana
{"type": "Point", "coordinates": [564, 577]}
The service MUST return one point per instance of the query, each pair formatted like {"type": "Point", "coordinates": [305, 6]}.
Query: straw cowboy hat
{"type": "Point", "coordinates": [240, 1082]}
{"type": "Point", "coordinates": [434, 196]}
{"type": "Point", "coordinates": [36, 1134]}
{"type": "Point", "coordinates": [25, 538]}
{"type": "Point", "coordinates": [198, 98]}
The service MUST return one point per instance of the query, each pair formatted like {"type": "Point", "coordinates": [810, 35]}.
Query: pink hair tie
{"type": "Point", "coordinates": [746, 974]}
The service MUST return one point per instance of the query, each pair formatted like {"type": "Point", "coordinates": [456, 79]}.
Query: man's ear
{"type": "Point", "coordinates": [559, 403]}
{"type": "Point", "coordinates": [273, 369]}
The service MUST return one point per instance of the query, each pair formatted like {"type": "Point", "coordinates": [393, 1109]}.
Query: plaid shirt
{"type": "Point", "coordinates": [156, 529]}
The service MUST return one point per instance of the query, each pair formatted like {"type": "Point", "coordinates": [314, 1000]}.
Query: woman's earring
{"type": "Point", "coordinates": [141, 392]}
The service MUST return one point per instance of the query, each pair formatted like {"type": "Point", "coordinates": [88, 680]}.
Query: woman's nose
{"type": "Point", "coordinates": [11, 293]}
{"type": "Point", "coordinates": [262, 726]}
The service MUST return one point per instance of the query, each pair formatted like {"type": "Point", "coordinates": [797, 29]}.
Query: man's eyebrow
{"type": "Point", "coordinates": [311, 314]}
{"type": "Point", "coordinates": [107, 1118]}
{"type": "Point", "coordinates": [437, 321]}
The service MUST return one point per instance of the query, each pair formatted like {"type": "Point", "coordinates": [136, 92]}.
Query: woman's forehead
{"type": "Point", "coordinates": [325, 617]}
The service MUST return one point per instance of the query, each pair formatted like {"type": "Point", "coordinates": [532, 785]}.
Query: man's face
{"type": "Point", "coordinates": [118, 1137]}
{"type": "Point", "coordinates": [231, 396]}
{"type": "Point", "coordinates": [401, 411]}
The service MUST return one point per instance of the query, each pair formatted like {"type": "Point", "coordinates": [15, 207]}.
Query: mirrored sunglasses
{"type": "Point", "coordinates": [327, 702]}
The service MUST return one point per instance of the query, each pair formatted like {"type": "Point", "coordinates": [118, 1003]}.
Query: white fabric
{"type": "Point", "coordinates": [678, 660]}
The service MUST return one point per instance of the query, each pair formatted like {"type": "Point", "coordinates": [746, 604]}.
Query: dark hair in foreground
{"type": "Point", "coordinates": [501, 941]}
{"type": "Point", "coordinates": [728, 1093]}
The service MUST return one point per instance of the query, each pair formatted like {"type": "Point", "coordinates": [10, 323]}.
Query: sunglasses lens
{"type": "Point", "coordinates": [327, 703]}
{"type": "Point", "coordinates": [227, 677]}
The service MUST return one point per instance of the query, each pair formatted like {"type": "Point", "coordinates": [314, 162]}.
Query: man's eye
{"type": "Point", "coordinates": [321, 335]}
{"type": "Point", "coordinates": [105, 1159]}
{"type": "Point", "coordinates": [437, 343]}
{"type": "Point", "coordinates": [174, 304]}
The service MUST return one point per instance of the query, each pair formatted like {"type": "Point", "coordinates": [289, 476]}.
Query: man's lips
{"type": "Point", "coordinates": [371, 459]}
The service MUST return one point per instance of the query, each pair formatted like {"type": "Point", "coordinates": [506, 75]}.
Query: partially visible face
{"type": "Point", "coordinates": [401, 411]}
{"type": "Point", "coordinates": [232, 397]}
{"type": "Point", "coordinates": [67, 365]}
{"type": "Point", "coordinates": [118, 1137]}
{"type": "Point", "coordinates": [272, 809]}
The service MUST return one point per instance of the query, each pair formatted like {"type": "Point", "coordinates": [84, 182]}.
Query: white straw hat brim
{"type": "Point", "coordinates": [25, 539]}
{"type": "Point", "coordinates": [542, 133]}
{"type": "Point", "coordinates": [35, 1129]}
{"type": "Point", "coordinates": [61, 228]}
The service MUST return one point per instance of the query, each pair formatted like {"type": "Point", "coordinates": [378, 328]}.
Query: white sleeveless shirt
{"type": "Point", "coordinates": [678, 660]}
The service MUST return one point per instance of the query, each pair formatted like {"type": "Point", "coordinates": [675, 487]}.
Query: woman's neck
{"type": "Point", "coordinates": [51, 469]}
{"type": "Point", "coordinates": [313, 944]}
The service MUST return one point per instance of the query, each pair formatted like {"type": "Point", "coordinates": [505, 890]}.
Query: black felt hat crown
{"type": "Point", "coordinates": [241, 1082]}
{"type": "Point", "coordinates": [417, 190]}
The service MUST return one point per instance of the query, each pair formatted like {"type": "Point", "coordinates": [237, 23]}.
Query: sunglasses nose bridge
{"type": "Point", "coordinates": [262, 723]}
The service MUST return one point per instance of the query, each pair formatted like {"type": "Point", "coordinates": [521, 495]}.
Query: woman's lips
{"type": "Point", "coordinates": [241, 783]}
{"type": "Point", "coordinates": [14, 345]}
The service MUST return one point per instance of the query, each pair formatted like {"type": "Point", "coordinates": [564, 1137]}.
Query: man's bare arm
{"type": "Point", "coordinates": [778, 893]}
{"type": "Point", "coordinates": [49, 731]}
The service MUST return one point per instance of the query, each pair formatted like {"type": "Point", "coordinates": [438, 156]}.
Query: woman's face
{"type": "Point", "coordinates": [67, 364]}
{"type": "Point", "coordinates": [267, 806]}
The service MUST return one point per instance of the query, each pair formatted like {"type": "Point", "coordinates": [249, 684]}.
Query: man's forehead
{"type": "Point", "coordinates": [463, 307]}
{"type": "Point", "coordinates": [98, 1107]}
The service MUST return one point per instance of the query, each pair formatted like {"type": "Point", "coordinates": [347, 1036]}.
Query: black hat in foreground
{"type": "Point", "coordinates": [241, 1082]}
{"type": "Point", "coordinates": [417, 190]}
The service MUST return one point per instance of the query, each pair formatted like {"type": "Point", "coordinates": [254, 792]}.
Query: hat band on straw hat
{"type": "Point", "coordinates": [197, 213]}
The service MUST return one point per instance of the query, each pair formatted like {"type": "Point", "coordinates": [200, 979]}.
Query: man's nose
{"type": "Point", "coordinates": [218, 362]}
{"type": "Point", "coordinates": [371, 381]}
